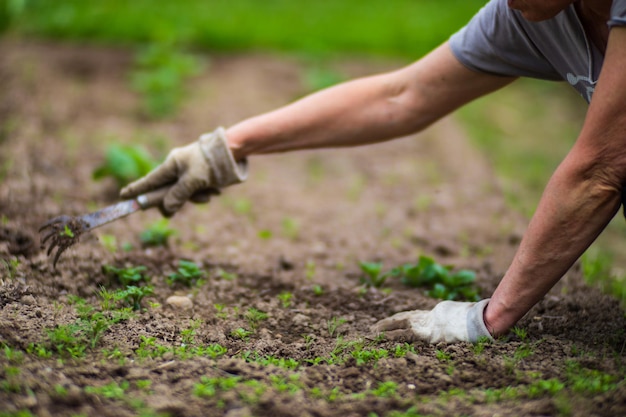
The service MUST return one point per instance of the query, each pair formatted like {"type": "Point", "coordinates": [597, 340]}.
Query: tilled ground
{"type": "Point", "coordinates": [287, 243]}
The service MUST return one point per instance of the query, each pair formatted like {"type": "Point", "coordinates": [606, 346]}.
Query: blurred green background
{"type": "Point", "coordinates": [525, 129]}
{"type": "Point", "coordinates": [400, 27]}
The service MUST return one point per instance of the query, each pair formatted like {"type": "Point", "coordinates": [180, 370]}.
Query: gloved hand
{"type": "Point", "coordinates": [449, 321]}
{"type": "Point", "coordinates": [204, 165]}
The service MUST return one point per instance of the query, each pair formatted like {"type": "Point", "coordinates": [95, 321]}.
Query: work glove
{"type": "Point", "coordinates": [192, 172]}
{"type": "Point", "coordinates": [449, 322]}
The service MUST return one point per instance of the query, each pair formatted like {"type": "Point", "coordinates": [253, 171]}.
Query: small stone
{"type": "Point", "coordinates": [179, 302]}
{"type": "Point", "coordinates": [301, 320]}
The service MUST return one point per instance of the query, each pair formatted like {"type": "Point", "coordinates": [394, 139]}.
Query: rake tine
{"type": "Point", "coordinates": [56, 257]}
{"type": "Point", "coordinates": [48, 236]}
{"type": "Point", "coordinates": [56, 220]}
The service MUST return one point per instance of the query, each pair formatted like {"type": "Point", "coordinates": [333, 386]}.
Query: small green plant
{"type": "Point", "coordinates": [188, 274]}
{"type": "Point", "coordinates": [157, 234]}
{"type": "Point", "coordinates": [124, 163]}
{"type": "Point", "coordinates": [208, 387]}
{"type": "Point", "coordinates": [254, 317]}
{"type": "Point", "coordinates": [285, 298]}
{"type": "Point", "coordinates": [385, 389]}
{"type": "Point", "coordinates": [159, 76]}
{"type": "Point", "coordinates": [132, 296]}
{"type": "Point", "coordinates": [442, 356]}
{"type": "Point", "coordinates": [318, 290]}
{"type": "Point", "coordinates": [373, 275]}
{"type": "Point", "coordinates": [112, 390]}
{"type": "Point", "coordinates": [241, 333]}
{"type": "Point", "coordinates": [67, 232]}
{"type": "Point", "coordinates": [126, 276]}
{"type": "Point", "coordinates": [444, 283]}
{"type": "Point", "coordinates": [333, 325]}
{"type": "Point", "coordinates": [545, 386]}
{"type": "Point", "coordinates": [11, 266]}
{"type": "Point", "coordinates": [290, 228]}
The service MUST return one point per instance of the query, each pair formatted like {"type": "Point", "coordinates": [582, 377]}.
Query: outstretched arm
{"type": "Point", "coordinates": [580, 199]}
{"type": "Point", "coordinates": [366, 110]}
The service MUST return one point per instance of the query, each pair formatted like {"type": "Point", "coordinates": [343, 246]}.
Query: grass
{"type": "Point", "coordinates": [407, 28]}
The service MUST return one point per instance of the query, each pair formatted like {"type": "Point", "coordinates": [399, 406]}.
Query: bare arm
{"type": "Point", "coordinates": [366, 110]}
{"type": "Point", "coordinates": [579, 201]}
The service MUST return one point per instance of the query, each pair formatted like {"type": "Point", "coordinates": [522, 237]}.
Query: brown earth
{"type": "Point", "coordinates": [320, 214]}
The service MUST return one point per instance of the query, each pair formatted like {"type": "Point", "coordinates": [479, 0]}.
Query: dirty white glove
{"type": "Point", "coordinates": [204, 165]}
{"type": "Point", "coordinates": [449, 321]}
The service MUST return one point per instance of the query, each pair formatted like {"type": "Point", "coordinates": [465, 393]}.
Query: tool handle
{"type": "Point", "coordinates": [152, 199]}
{"type": "Point", "coordinates": [155, 198]}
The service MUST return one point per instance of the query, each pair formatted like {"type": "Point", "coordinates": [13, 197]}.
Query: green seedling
{"type": "Point", "coordinates": [444, 283]}
{"type": "Point", "coordinates": [159, 76]}
{"type": "Point", "coordinates": [124, 163]}
{"type": "Point", "coordinates": [188, 274]}
{"type": "Point", "coordinates": [241, 333]}
{"type": "Point", "coordinates": [67, 232]}
{"type": "Point", "coordinates": [133, 296]}
{"type": "Point", "coordinates": [318, 290]}
{"type": "Point", "coordinates": [254, 317]}
{"type": "Point", "coordinates": [126, 276]}
{"type": "Point", "coordinates": [208, 387]}
{"type": "Point", "coordinates": [285, 299]}
{"type": "Point", "coordinates": [333, 325]}
{"type": "Point", "coordinates": [157, 234]}
{"type": "Point", "coordinates": [373, 275]}
{"type": "Point", "coordinates": [11, 266]}
{"type": "Point", "coordinates": [385, 389]}
{"type": "Point", "coordinates": [112, 390]}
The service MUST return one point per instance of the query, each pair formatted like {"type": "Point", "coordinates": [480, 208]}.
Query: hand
{"type": "Point", "coordinates": [206, 164]}
{"type": "Point", "coordinates": [449, 321]}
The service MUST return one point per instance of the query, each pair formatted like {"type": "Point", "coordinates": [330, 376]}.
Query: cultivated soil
{"type": "Point", "coordinates": [299, 226]}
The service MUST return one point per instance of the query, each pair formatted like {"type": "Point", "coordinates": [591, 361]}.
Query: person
{"type": "Point", "coordinates": [582, 42]}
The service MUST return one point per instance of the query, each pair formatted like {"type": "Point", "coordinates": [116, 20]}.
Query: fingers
{"type": "Point", "coordinates": [164, 174]}
{"type": "Point", "coordinates": [182, 191]}
{"type": "Point", "coordinates": [392, 323]}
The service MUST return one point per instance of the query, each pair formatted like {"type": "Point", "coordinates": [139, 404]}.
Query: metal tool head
{"type": "Point", "coordinates": [62, 232]}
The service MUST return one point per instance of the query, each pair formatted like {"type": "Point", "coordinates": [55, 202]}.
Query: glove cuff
{"type": "Point", "coordinates": [475, 323]}
{"type": "Point", "coordinates": [224, 169]}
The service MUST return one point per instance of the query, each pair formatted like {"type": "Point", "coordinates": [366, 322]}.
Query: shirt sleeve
{"type": "Point", "coordinates": [495, 42]}
{"type": "Point", "coordinates": [618, 13]}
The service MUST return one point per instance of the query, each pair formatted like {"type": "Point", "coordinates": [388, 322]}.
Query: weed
{"type": "Point", "coordinates": [290, 228]}
{"type": "Point", "coordinates": [364, 356]}
{"type": "Point", "coordinates": [228, 276]}
{"type": "Point", "coordinates": [11, 267]}
{"type": "Point", "coordinates": [67, 232]}
{"type": "Point", "coordinates": [309, 270]}
{"type": "Point", "coordinates": [157, 234]}
{"type": "Point", "coordinates": [443, 282]}
{"type": "Point", "coordinates": [290, 384]}
{"type": "Point", "coordinates": [188, 335]}
{"type": "Point", "coordinates": [265, 234]}
{"type": "Point", "coordinates": [318, 290]}
{"type": "Point", "coordinates": [14, 356]}
{"type": "Point", "coordinates": [112, 390]}
{"type": "Point", "coordinates": [545, 386]}
{"type": "Point", "coordinates": [285, 299]}
{"type": "Point", "coordinates": [221, 313]}
{"type": "Point", "coordinates": [442, 356]}
{"type": "Point", "coordinates": [159, 75]}
{"type": "Point", "coordinates": [124, 163]}
{"type": "Point", "coordinates": [126, 276]}
{"type": "Point", "coordinates": [589, 381]}
{"type": "Point", "coordinates": [333, 324]}
{"type": "Point", "coordinates": [11, 382]}
{"type": "Point", "coordinates": [188, 274]}
{"type": "Point", "coordinates": [208, 387]}
{"type": "Point", "coordinates": [286, 363]}
{"type": "Point", "coordinates": [521, 333]}
{"type": "Point", "coordinates": [374, 277]}
{"type": "Point", "coordinates": [241, 333]}
{"type": "Point", "coordinates": [254, 317]}
{"type": "Point", "coordinates": [133, 296]}
{"type": "Point", "coordinates": [401, 351]}
{"type": "Point", "coordinates": [385, 389]}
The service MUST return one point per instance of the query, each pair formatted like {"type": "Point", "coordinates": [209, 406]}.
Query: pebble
{"type": "Point", "coordinates": [179, 302]}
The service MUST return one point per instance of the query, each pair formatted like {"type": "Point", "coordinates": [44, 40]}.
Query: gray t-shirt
{"type": "Point", "coordinates": [498, 40]}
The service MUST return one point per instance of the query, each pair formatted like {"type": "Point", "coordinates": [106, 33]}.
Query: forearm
{"type": "Point", "coordinates": [358, 112]}
{"type": "Point", "coordinates": [571, 214]}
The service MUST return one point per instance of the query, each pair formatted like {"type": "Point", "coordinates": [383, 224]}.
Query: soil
{"type": "Point", "coordinates": [300, 225]}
